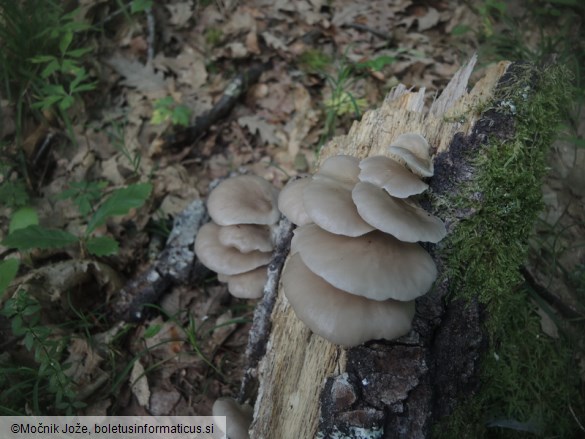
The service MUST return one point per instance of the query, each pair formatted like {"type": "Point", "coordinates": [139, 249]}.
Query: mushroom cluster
{"type": "Point", "coordinates": [237, 243]}
{"type": "Point", "coordinates": [355, 266]}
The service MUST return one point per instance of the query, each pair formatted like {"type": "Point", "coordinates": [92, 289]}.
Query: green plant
{"type": "Point", "coordinates": [341, 100]}
{"type": "Point", "coordinates": [47, 386]}
{"type": "Point", "coordinates": [166, 109]}
{"type": "Point", "coordinates": [213, 36]}
{"type": "Point", "coordinates": [41, 62]}
{"type": "Point", "coordinates": [118, 203]}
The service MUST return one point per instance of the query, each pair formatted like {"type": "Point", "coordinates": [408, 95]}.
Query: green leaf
{"type": "Point", "coordinates": [378, 63]}
{"type": "Point", "coordinates": [65, 42]}
{"type": "Point", "coordinates": [460, 29]}
{"type": "Point", "coordinates": [66, 102]}
{"type": "Point", "coordinates": [23, 217]}
{"type": "Point", "coordinates": [50, 68]}
{"type": "Point", "coordinates": [140, 5]}
{"type": "Point", "coordinates": [35, 236]}
{"type": "Point", "coordinates": [29, 341]}
{"type": "Point", "coordinates": [78, 53]}
{"type": "Point", "coordinates": [84, 194]}
{"type": "Point", "coordinates": [13, 193]}
{"type": "Point", "coordinates": [8, 271]}
{"type": "Point", "coordinates": [42, 59]}
{"type": "Point", "coordinates": [120, 203]}
{"type": "Point", "coordinates": [102, 246]}
{"type": "Point", "coordinates": [151, 331]}
{"type": "Point", "coordinates": [181, 115]}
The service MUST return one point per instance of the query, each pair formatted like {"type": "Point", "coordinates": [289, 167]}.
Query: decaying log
{"type": "Point", "coordinates": [308, 387]}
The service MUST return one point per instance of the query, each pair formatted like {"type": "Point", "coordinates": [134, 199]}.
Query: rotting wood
{"type": "Point", "coordinates": [308, 387]}
{"type": "Point", "coordinates": [173, 266]}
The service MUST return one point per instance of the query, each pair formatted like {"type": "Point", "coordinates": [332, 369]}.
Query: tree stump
{"type": "Point", "coordinates": [307, 387]}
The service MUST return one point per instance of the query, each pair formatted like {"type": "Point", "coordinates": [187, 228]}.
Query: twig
{"type": "Point", "coordinates": [377, 33]}
{"type": "Point", "coordinates": [150, 35]}
{"type": "Point", "coordinates": [222, 108]}
{"type": "Point", "coordinates": [551, 298]}
{"type": "Point", "coordinates": [173, 266]}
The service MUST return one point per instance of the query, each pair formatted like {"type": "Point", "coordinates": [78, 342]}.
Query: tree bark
{"type": "Point", "coordinates": [307, 387]}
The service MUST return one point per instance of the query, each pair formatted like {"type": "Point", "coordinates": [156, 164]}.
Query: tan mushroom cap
{"type": "Point", "coordinates": [395, 216]}
{"type": "Point", "coordinates": [290, 201]}
{"type": "Point", "coordinates": [376, 265]}
{"type": "Point", "coordinates": [331, 207]}
{"type": "Point", "coordinates": [245, 199]}
{"type": "Point", "coordinates": [344, 169]}
{"type": "Point", "coordinates": [391, 176]}
{"type": "Point", "coordinates": [248, 285]}
{"type": "Point", "coordinates": [221, 259]}
{"type": "Point", "coordinates": [246, 237]}
{"type": "Point", "coordinates": [342, 318]}
{"type": "Point", "coordinates": [414, 150]}
{"type": "Point", "coordinates": [239, 417]}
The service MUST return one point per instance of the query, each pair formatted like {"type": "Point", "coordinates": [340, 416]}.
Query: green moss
{"type": "Point", "coordinates": [528, 379]}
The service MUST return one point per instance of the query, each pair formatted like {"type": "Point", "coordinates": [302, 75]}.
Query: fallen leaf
{"type": "Point", "coordinates": [139, 384]}
{"type": "Point", "coordinates": [256, 124]}
{"type": "Point", "coordinates": [181, 13]}
{"type": "Point", "coordinates": [429, 20]}
{"type": "Point", "coordinates": [137, 75]}
{"type": "Point", "coordinates": [547, 324]}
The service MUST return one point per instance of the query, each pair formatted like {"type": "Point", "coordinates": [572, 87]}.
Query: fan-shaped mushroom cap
{"type": "Point", "coordinates": [245, 199]}
{"type": "Point", "coordinates": [330, 206]}
{"type": "Point", "coordinates": [248, 285]}
{"type": "Point", "coordinates": [414, 150]}
{"type": "Point", "coordinates": [344, 169]}
{"type": "Point", "coordinates": [246, 237]}
{"type": "Point", "coordinates": [375, 265]}
{"type": "Point", "coordinates": [395, 216]}
{"type": "Point", "coordinates": [290, 201]}
{"type": "Point", "coordinates": [239, 417]}
{"type": "Point", "coordinates": [221, 259]}
{"type": "Point", "coordinates": [391, 176]}
{"type": "Point", "coordinates": [342, 318]}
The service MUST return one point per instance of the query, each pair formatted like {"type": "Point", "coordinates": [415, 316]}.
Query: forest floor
{"type": "Point", "coordinates": [160, 67]}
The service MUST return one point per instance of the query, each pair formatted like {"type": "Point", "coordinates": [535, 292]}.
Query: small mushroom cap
{"type": "Point", "coordinates": [248, 285]}
{"type": "Point", "coordinates": [330, 206]}
{"type": "Point", "coordinates": [221, 259]}
{"type": "Point", "coordinates": [395, 216]}
{"type": "Point", "coordinates": [239, 417]}
{"type": "Point", "coordinates": [343, 169]}
{"type": "Point", "coordinates": [342, 318]}
{"type": "Point", "coordinates": [246, 237]}
{"type": "Point", "coordinates": [376, 265]}
{"type": "Point", "coordinates": [414, 150]}
{"type": "Point", "coordinates": [391, 176]}
{"type": "Point", "coordinates": [245, 199]}
{"type": "Point", "coordinates": [290, 201]}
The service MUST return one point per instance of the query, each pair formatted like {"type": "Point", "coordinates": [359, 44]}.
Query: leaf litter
{"type": "Point", "coordinates": [273, 132]}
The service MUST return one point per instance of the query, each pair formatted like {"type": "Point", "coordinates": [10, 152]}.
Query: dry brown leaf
{"type": "Point", "coordinates": [304, 118]}
{"type": "Point", "coordinates": [256, 124]}
{"type": "Point", "coordinates": [181, 13]}
{"type": "Point", "coordinates": [139, 384]}
{"type": "Point", "coordinates": [188, 66]}
{"type": "Point", "coordinates": [429, 20]}
{"type": "Point", "coordinates": [547, 324]}
{"type": "Point", "coordinates": [137, 75]}
{"type": "Point", "coordinates": [274, 42]}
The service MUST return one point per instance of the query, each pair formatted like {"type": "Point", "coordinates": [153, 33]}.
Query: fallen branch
{"type": "Point", "coordinates": [235, 89]}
